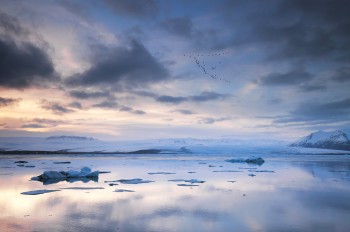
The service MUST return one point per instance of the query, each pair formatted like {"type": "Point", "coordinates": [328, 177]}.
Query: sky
{"type": "Point", "coordinates": [148, 69]}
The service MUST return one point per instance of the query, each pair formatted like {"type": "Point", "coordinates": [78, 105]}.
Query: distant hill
{"type": "Point", "coordinates": [338, 140]}
{"type": "Point", "coordinates": [65, 137]}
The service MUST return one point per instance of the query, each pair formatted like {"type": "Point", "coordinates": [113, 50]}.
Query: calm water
{"type": "Point", "coordinates": [303, 193]}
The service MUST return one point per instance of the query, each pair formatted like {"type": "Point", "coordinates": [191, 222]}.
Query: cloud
{"type": "Point", "coordinates": [55, 107]}
{"type": "Point", "coordinates": [107, 104]}
{"type": "Point", "coordinates": [33, 126]}
{"type": "Point", "coordinates": [8, 101]}
{"type": "Point", "coordinates": [289, 30]}
{"type": "Point", "coordinates": [26, 64]}
{"type": "Point", "coordinates": [312, 87]}
{"type": "Point", "coordinates": [116, 106]}
{"type": "Point", "coordinates": [342, 74]}
{"type": "Point", "coordinates": [51, 122]}
{"type": "Point", "coordinates": [122, 68]}
{"type": "Point", "coordinates": [185, 112]}
{"type": "Point", "coordinates": [293, 77]}
{"type": "Point", "coordinates": [338, 110]}
{"type": "Point", "coordinates": [209, 120]}
{"type": "Point", "coordinates": [207, 96]}
{"type": "Point", "coordinates": [76, 105]}
{"type": "Point", "coordinates": [170, 99]}
{"type": "Point", "coordinates": [80, 94]}
{"type": "Point", "coordinates": [181, 26]}
{"type": "Point", "coordinates": [203, 97]}
{"type": "Point", "coordinates": [134, 8]}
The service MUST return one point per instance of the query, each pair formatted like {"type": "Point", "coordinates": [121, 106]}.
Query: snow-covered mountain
{"type": "Point", "coordinates": [338, 139]}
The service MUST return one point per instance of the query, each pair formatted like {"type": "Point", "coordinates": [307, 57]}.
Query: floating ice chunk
{"type": "Point", "coordinates": [252, 175]}
{"type": "Point", "coordinates": [269, 171]}
{"type": "Point", "coordinates": [29, 166]}
{"type": "Point", "coordinates": [226, 171]}
{"type": "Point", "coordinates": [62, 162]}
{"type": "Point", "coordinates": [189, 181]}
{"type": "Point", "coordinates": [188, 185]}
{"type": "Point", "coordinates": [161, 173]}
{"type": "Point", "coordinates": [253, 160]}
{"type": "Point", "coordinates": [123, 191]}
{"type": "Point", "coordinates": [21, 162]}
{"type": "Point", "coordinates": [37, 192]}
{"type": "Point", "coordinates": [134, 181]}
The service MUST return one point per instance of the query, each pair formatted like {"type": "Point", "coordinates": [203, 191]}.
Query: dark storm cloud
{"type": "Point", "coordinates": [181, 26]}
{"type": "Point", "coordinates": [26, 64]}
{"type": "Point", "coordinates": [80, 94]}
{"type": "Point", "coordinates": [292, 29]}
{"type": "Point", "coordinates": [55, 107]}
{"type": "Point", "coordinates": [293, 77]}
{"type": "Point", "coordinates": [122, 68]}
{"type": "Point", "coordinates": [8, 101]}
{"type": "Point", "coordinates": [316, 111]}
{"type": "Point", "coordinates": [134, 8]}
{"type": "Point", "coordinates": [342, 74]}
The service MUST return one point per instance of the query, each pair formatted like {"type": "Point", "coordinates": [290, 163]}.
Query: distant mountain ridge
{"type": "Point", "coordinates": [338, 140]}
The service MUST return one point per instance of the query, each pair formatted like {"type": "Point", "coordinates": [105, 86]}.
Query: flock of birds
{"type": "Point", "coordinates": [204, 67]}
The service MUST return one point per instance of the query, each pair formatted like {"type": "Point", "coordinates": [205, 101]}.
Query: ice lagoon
{"type": "Point", "coordinates": [289, 192]}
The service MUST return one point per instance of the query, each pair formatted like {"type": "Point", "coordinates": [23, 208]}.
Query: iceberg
{"type": "Point", "coordinates": [51, 177]}
{"type": "Point", "coordinates": [253, 160]}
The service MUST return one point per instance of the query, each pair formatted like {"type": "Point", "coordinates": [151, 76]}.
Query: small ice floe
{"type": "Point", "coordinates": [134, 181]}
{"type": "Point", "coordinates": [202, 163]}
{"type": "Point", "coordinates": [192, 181]}
{"type": "Point", "coordinates": [21, 162]}
{"type": "Point", "coordinates": [112, 184]}
{"type": "Point", "coordinates": [83, 188]}
{"type": "Point", "coordinates": [231, 181]}
{"type": "Point", "coordinates": [20, 165]}
{"type": "Point", "coordinates": [51, 177]}
{"type": "Point", "coordinates": [111, 181]}
{"type": "Point", "coordinates": [37, 192]}
{"type": "Point", "coordinates": [247, 168]}
{"type": "Point", "coordinates": [187, 185]}
{"type": "Point", "coordinates": [211, 166]}
{"type": "Point", "coordinates": [227, 171]}
{"type": "Point", "coordinates": [62, 162]}
{"type": "Point", "coordinates": [251, 174]}
{"type": "Point", "coordinates": [161, 173]}
{"type": "Point", "coordinates": [123, 191]}
{"type": "Point", "coordinates": [29, 166]}
{"type": "Point", "coordinates": [191, 172]}
{"type": "Point", "coordinates": [253, 160]}
{"type": "Point", "coordinates": [269, 171]}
